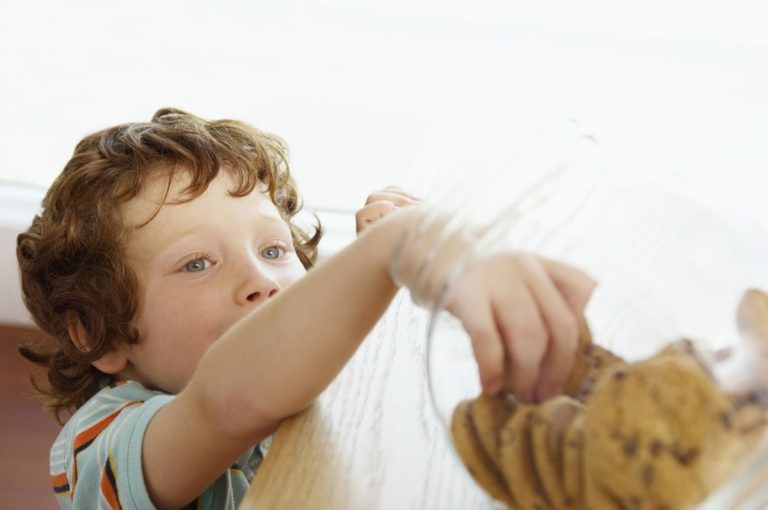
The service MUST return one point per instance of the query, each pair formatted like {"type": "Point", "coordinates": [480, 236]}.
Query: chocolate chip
{"type": "Point", "coordinates": [685, 345]}
{"type": "Point", "coordinates": [683, 456]}
{"type": "Point", "coordinates": [743, 399]}
{"type": "Point", "coordinates": [751, 397]}
{"type": "Point", "coordinates": [725, 419]}
{"type": "Point", "coordinates": [647, 474]}
{"type": "Point", "coordinates": [630, 447]}
{"type": "Point", "coordinates": [655, 447]}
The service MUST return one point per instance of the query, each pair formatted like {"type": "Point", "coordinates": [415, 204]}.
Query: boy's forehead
{"type": "Point", "coordinates": [161, 197]}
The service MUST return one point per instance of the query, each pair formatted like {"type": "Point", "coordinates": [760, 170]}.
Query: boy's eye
{"type": "Point", "coordinates": [272, 253]}
{"type": "Point", "coordinates": [197, 265]}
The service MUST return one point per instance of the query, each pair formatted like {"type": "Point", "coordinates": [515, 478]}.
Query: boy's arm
{"type": "Point", "coordinates": [270, 365]}
{"type": "Point", "coordinates": [275, 361]}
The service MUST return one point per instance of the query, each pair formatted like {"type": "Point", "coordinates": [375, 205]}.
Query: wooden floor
{"type": "Point", "coordinates": [26, 431]}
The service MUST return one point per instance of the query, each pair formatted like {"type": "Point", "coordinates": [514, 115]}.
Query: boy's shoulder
{"type": "Point", "coordinates": [113, 397]}
{"type": "Point", "coordinates": [103, 408]}
{"type": "Point", "coordinates": [98, 452]}
{"type": "Point", "coordinates": [105, 433]}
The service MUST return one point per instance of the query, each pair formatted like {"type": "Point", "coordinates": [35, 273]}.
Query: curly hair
{"type": "Point", "coordinates": [71, 259]}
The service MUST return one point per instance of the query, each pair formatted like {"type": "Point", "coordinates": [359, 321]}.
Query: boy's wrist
{"type": "Point", "coordinates": [427, 251]}
{"type": "Point", "coordinates": [390, 235]}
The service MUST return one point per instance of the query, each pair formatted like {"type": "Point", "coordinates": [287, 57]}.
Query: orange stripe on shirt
{"type": "Point", "coordinates": [109, 485]}
{"type": "Point", "coordinates": [60, 483]}
{"type": "Point", "coordinates": [86, 436]}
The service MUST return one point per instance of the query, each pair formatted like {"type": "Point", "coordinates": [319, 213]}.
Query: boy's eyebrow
{"type": "Point", "coordinates": [173, 239]}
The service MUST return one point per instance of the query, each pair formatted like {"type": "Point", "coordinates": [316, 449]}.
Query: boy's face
{"type": "Point", "coordinates": [202, 265]}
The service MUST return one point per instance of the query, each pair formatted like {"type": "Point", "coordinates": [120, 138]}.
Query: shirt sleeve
{"type": "Point", "coordinates": [109, 468]}
{"type": "Point", "coordinates": [131, 476]}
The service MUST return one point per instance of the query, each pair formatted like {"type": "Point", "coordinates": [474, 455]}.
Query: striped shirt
{"type": "Point", "coordinates": [96, 459]}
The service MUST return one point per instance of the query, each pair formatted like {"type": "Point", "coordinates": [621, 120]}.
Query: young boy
{"type": "Point", "coordinates": [169, 274]}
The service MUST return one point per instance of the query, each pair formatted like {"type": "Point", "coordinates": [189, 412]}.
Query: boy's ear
{"type": "Point", "coordinates": [112, 362]}
{"type": "Point", "coordinates": [752, 318]}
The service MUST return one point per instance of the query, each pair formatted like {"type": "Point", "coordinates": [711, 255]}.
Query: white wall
{"type": "Point", "coordinates": [18, 204]}
{"type": "Point", "coordinates": [371, 93]}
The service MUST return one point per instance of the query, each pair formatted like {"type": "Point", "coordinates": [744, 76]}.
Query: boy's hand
{"type": "Point", "coordinates": [380, 203]}
{"type": "Point", "coordinates": [522, 313]}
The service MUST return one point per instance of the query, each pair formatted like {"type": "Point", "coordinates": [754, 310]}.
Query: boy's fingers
{"type": "Point", "coordinates": [371, 213]}
{"type": "Point", "coordinates": [555, 368]}
{"type": "Point", "coordinates": [395, 198]}
{"type": "Point", "coordinates": [486, 345]}
{"type": "Point", "coordinates": [525, 338]}
{"type": "Point", "coordinates": [575, 285]}
{"type": "Point", "coordinates": [377, 209]}
{"type": "Point", "coordinates": [563, 332]}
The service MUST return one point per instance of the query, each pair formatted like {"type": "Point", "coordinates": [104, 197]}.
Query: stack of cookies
{"type": "Point", "coordinates": [656, 434]}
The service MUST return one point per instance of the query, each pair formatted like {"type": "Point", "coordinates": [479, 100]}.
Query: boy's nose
{"type": "Point", "coordinates": [258, 295]}
{"type": "Point", "coordinates": [257, 286]}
